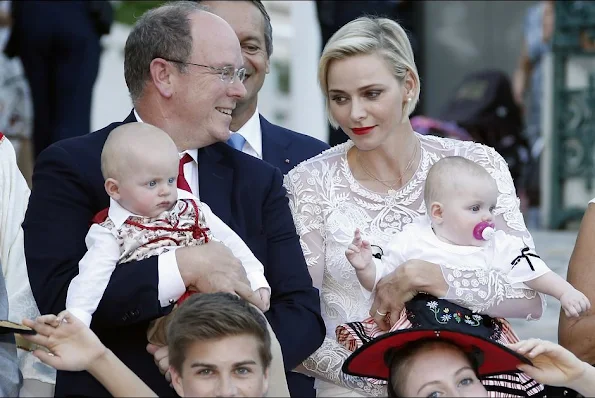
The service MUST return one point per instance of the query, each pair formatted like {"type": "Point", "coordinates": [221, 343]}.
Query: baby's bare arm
{"type": "Point", "coordinates": [551, 284]}
{"type": "Point", "coordinates": [573, 302]}
{"type": "Point", "coordinates": [367, 276]}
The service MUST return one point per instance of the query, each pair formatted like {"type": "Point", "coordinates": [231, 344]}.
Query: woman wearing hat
{"type": "Point", "coordinates": [433, 360]}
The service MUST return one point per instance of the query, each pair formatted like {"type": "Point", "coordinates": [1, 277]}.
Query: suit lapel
{"type": "Point", "coordinates": [215, 181]}
{"type": "Point", "coordinates": [275, 147]}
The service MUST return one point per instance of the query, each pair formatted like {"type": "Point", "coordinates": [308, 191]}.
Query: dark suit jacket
{"type": "Point", "coordinates": [245, 192]}
{"type": "Point", "coordinates": [284, 148]}
{"type": "Point", "coordinates": [100, 12]}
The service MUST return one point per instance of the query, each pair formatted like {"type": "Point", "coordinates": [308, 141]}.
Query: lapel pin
{"type": "Point", "coordinates": [287, 161]}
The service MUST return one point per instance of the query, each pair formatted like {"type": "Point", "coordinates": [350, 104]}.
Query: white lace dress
{"type": "Point", "coordinates": [328, 204]}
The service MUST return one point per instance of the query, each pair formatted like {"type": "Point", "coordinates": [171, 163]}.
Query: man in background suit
{"type": "Point", "coordinates": [183, 68]}
{"type": "Point", "coordinates": [58, 44]}
{"type": "Point", "coordinates": [252, 133]}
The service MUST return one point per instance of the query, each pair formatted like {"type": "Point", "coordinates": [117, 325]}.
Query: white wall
{"type": "Point", "coordinates": [110, 96]}
{"type": "Point", "coordinates": [307, 104]}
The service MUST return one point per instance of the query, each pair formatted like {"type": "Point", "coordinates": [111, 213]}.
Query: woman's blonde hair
{"type": "Point", "coordinates": [366, 35]}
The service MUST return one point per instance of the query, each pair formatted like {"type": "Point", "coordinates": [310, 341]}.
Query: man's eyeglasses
{"type": "Point", "coordinates": [227, 74]}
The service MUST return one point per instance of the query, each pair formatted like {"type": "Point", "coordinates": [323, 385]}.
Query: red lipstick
{"type": "Point", "coordinates": [362, 130]}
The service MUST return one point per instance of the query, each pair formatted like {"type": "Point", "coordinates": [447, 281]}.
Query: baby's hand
{"type": "Point", "coordinates": [359, 252]}
{"type": "Point", "coordinates": [574, 303]}
{"type": "Point", "coordinates": [265, 298]}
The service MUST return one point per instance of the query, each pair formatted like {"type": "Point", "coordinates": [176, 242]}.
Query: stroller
{"type": "Point", "coordinates": [483, 110]}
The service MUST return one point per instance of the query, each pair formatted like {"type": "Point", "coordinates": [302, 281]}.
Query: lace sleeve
{"type": "Point", "coordinates": [306, 205]}
{"type": "Point", "coordinates": [326, 364]}
{"type": "Point", "coordinates": [306, 210]}
{"type": "Point", "coordinates": [490, 292]}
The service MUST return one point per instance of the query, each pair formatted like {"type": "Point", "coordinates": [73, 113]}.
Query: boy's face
{"type": "Point", "coordinates": [228, 367]}
{"type": "Point", "coordinates": [149, 187]}
{"type": "Point", "coordinates": [464, 205]}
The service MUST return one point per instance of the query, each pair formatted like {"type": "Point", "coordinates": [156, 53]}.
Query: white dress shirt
{"type": "Point", "coordinates": [103, 252]}
{"type": "Point", "coordinates": [253, 134]}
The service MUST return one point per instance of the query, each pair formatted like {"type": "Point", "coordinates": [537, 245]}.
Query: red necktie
{"type": "Point", "coordinates": [182, 183]}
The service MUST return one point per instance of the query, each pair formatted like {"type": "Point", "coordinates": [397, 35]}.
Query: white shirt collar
{"type": "Point", "coordinates": [252, 133]}
{"type": "Point", "coordinates": [192, 152]}
{"type": "Point", "coordinates": [119, 215]}
{"type": "Point", "coordinates": [431, 237]}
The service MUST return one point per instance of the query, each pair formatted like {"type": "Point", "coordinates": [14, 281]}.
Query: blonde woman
{"type": "Point", "coordinates": [375, 182]}
{"type": "Point", "coordinates": [38, 378]}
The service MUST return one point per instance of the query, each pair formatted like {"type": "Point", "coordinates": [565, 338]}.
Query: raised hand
{"type": "Point", "coordinates": [552, 363]}
{"type": "Point", "coordinates": [359, 252]}
{"type": "Point", "coordinates": [72, 345]}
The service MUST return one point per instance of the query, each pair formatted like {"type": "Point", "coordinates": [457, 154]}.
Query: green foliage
{"type": "Point", "coordinates": [128, 11]}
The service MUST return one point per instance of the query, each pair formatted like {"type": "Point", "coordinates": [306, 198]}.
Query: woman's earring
{"type": "Point", "coordinates": [408, 99]}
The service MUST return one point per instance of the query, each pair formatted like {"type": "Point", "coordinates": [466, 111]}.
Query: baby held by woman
{"type": "Point", "coordinates": [458, 231]}
{"type": "Point", "coordinates": [461, 197]}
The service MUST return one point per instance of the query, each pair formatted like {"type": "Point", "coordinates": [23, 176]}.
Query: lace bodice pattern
{"type": "Point", "coordinates": [328, 204]}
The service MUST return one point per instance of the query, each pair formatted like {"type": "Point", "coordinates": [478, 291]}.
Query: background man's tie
{"type": "Point", "coordinates": [236, 141]}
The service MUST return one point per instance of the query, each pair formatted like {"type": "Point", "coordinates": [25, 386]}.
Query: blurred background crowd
{"type": "Point", "coordinates": [482, 60]}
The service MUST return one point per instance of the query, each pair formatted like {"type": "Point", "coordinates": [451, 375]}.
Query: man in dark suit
{"type": "Point", "coordinates": [58, 44]}
{"type": "Point", "coordinates": [183, 68]}
{"type": "Point", "coordinates": [252, 133]}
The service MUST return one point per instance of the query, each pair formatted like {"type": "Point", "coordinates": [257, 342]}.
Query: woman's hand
{"type": "Point", "coordinates": [72, 345]}
{"type": "Point", "coordinates": [401, 285]}
{"type": "Point", "coordinates": [552, 364]}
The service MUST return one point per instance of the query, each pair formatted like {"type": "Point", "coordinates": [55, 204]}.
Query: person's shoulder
{"type": "Point", "coordinates": [329, 158]}
{"type": "Point", "coordinates": [472, 150]}
{"type": "Point", "coordinates": [81, 146]}
{"type": "Point", "coordinates": [304, 138]}
{"type": "Point", "coordinates": [313, 144]}
{"type": "Point", "coordinates": [240, 161]}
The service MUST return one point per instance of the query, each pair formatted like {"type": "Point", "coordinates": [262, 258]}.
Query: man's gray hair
{"type": "Point", "coordinates": [162, 32]}
{"type": "Point", "coordinates": [268, 28]}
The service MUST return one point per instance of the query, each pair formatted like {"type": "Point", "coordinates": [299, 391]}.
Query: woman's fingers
{"type": "Point", "coordinates": [532, 347]}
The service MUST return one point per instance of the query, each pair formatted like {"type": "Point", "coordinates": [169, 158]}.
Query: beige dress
{"type": "Point", "coordinates": [328, 204]}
